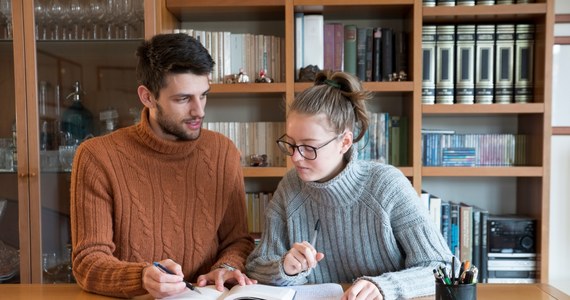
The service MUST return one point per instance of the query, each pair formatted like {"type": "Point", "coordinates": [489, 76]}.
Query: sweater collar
{"type": "Point", "coordinates": [158, 144]}
{"type": "Point", "coordinates": [345, 188]}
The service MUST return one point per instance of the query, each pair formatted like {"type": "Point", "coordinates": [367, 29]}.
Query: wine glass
{"type": "Point", "coordinates": [56, 12]}
{"type": "Point", "coordinates": [6, 10]}
{"type": "Point", "coordinates": [77, 12]}
{"type": "Point", "coordinates": [95, 13]}
{"type": "Point", "coordinates": [42, 18]}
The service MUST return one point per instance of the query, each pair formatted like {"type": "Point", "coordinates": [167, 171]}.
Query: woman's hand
{"type": "Point", "coordinates": [301, 257]}
{"type": "Point", "coordinates": [362, 290]}
{"type": "Point", "coordinates": [220, 276]}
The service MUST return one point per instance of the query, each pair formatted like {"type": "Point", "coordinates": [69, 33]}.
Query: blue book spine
{"type": "Point", "coordinates": [446, 222]}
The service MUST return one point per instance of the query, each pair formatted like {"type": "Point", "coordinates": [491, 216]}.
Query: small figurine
{"type": "Point", "coordinates": [263, 78]}
{"type": "Point", "coordinates": [242, 76]}
{"type": "Point", "coordinates": [258, 160]}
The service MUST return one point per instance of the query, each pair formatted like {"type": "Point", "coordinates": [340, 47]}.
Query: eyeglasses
{"type": "Point", "coordinates": [306, 151]}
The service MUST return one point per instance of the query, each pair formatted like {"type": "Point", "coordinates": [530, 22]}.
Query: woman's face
{"type": "Point", "coordinates": [314, 130]}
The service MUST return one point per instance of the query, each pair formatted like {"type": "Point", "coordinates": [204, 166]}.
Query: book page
{"type": "Point", "coordinates": [208, 292]}
{"type": "Point", "coordinates": [324, 291]}
{"type": "Point", "coordinates": [260, 291]}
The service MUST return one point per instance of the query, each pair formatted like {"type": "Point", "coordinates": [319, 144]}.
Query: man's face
{"type": "Point", "coordinates": [179, 111]}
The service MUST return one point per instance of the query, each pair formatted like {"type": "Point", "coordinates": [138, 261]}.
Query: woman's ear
{"type": "Point", "coordinates": [346, 141]}
{"type": "Point", "coordinates": [145, 96]}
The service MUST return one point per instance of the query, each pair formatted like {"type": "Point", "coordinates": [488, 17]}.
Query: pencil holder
{"type": "Point", "coordinates": [455, 292]}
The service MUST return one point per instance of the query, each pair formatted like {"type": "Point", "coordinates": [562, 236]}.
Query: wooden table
{"type": "Point", "coordinates": [484, 292]}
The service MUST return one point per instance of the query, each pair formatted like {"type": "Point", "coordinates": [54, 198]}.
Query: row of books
{"type": "Point", "coordinates": [386, 140]}
{"type": "Point", "coordinates": [486, 63]}
{"type": "Point", "coordinates": [245, 53]}
{"type": "Point", "coordinates": [468, 150]}
{"type": "Point", "coordinates": [371, 53]}
{"type": "Point", "coordinates": [472, 2]}
{"type": "Point", "coordinates": [255, 206]}
{"type": "Point", "coordinates": [463, 227]}
{"type": "Point", "coordinates": [254, 138]}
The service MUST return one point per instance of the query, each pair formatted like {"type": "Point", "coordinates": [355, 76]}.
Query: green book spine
{"type": "Point", "coordinates": [350, 49]}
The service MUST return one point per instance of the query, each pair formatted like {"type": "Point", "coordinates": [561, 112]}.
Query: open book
{"type": "Point", "coordinates": [254, 291]}
{"type": "Point", "coordinates": [325, 291]}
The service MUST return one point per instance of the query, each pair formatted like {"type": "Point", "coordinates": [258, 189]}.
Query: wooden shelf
{"type": "Point", "coordinates": [227, 10]}
{"type": "Point", "coordinates": [264, 172]}
{"type": "Point", "coordinates": [513, 108]}
{"type": "Point", "coordinates": [482, 171]}
{"type": "Point", "coordinates": [247, 88]}
{"type": "Point", "coordinates": [379, 87]}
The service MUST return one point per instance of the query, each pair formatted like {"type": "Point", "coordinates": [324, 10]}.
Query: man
{"type": "Point", "coordinates": [162, 190]}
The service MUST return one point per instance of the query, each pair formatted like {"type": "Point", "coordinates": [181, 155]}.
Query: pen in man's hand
{"type": "Point", "coordinates": [317, 227]}
{"type": "Point", "coordinates": [166, 270]}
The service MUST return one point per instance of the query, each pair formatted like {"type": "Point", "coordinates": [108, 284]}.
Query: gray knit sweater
{"type": "Point", "coordinates": [373, 227]}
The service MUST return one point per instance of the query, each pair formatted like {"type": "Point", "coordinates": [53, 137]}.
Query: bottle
{"type": "Point", "coordinates": [14, 147]}
{"type": "Point", "coordinates": [110, 117]}
{"type": "Point", "coordinates": [77, 120]}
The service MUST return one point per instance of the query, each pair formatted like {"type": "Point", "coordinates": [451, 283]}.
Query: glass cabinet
{"type": "Point", "coordinates": [67, 73]}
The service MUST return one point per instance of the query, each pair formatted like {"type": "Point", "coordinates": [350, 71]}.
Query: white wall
{"type": "Point", "coordinates": [560, 161]}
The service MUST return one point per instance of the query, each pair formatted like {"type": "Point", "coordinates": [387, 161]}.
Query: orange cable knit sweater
{"type": "Point", "coordinates": [136, 199]}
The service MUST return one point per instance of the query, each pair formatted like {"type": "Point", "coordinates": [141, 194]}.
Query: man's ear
{"type": "Point", "coordinates": [145, 96]}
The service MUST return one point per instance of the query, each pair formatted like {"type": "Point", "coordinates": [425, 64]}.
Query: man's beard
{"type": "Point", "coordinates": [169, 126]}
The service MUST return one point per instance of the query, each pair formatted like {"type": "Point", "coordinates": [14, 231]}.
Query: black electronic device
{"type": "Point", "coordinates": [511, 234]}
{"type": "Point", "coordinates": [511, 255]}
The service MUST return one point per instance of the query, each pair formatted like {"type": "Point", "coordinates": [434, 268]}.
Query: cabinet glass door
{"type": "Point", "coordinates": [9, 232]}
{"type": "Point", "coordinates": [86, 87]}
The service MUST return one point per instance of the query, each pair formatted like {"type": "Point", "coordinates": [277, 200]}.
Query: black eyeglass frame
{"type": "Point", "coordinates": [296, 147]}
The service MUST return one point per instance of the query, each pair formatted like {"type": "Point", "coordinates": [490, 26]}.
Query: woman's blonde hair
{"type": "Point", "coordinates": [341, 98]}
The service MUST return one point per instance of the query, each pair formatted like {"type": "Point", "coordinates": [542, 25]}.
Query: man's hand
{"type": "Point", "coordinates": [220, 276]}
{"type": "Point", "coordinates": [160, 284]}
{"type": "Point", "coordinates": [362, 290]}
{"type": "Point", "coordinates": [301, 257]}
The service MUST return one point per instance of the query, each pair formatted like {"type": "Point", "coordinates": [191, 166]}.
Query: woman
{"type": "Point", "coordinates": [373, 230]}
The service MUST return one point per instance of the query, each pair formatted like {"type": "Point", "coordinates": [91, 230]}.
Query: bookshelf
{"type": "Point", "coordinates": [528, 184]}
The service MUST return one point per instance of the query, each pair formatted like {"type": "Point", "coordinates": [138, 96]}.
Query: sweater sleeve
{"type": "Point", "coordinates": [421, 243]}
{"type": "Point", "coordinates": [265, 263]}
{"type": "Point", "coordinates": [94, 266]}
{"type": "Point", "coordinates": [235, 241]}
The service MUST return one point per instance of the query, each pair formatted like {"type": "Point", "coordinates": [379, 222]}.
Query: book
{"type": "Point", "coordinates": [338, 47]}
{"type": "Point", "coordinates": [329, 46]}
{"type": "Point", "coordinates": [465, 64]}
{"type": "Point", "coordinates": [377, 54]}
{"type": "Point", "coordinates": [387, 53]}
{"type": "Point", "coordinates": [299, 46]}
{"type": "Point", "coordinates": [484, 63]}
{"type": "Point", "coordinates": [483, 269]}
{"type": "Point", "coordinates": [361, 44]}
{"type": "Point", "coordinates": [313, 40]}
{"type": "Point", "coordinates": [445, 47]}
{"type": "Point", "coordinates": [253, 291]}
{"type": "Point", "coordinates": [446, 222]}
{"type": "Point", "coordinates": [350, 49]}
{"type": "Point", "coordinates": [524, 57]}
{"type": "Point", "coordinates": [504, 67]}
{"type": "Point", "coordinates": [445, 2]}
{"type": "Point", "coordinates": [428, 64]}
{"type": "Point", "coordinates": [454, 221]}
{"type": "Point", "coordinates": [466, 232]}
{"type": "Point", "coordinates": [369, 45]}
{"type": "Point", "coordinates": [401, 53]}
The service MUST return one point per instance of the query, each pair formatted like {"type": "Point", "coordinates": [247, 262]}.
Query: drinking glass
{"type": "Point", "coordinates": [6, 10]}
{"type": "Point", "coordinates": [66, 154]}
{"type": "Point", "coordinates": [50, 267]}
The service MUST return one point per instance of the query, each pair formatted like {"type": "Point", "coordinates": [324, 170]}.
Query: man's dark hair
{"type": "Point", "coordinates": [165, 54]}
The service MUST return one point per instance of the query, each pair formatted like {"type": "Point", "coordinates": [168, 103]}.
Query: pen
{"type": "Point", "coordinates": [317, 227]}
{"type": "Point", "coordinates": [166, 270]}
